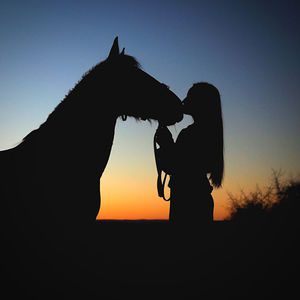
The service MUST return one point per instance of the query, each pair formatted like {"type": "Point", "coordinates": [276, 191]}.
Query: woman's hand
{"type": "Point", "coordinates": [164, 137]}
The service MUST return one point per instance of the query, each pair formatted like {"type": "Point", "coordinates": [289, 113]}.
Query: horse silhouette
{"type": "Point", "coordinates": [51, 179]}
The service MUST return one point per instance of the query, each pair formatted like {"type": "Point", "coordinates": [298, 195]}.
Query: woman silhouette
{"type": "Point", "coordinates": [195, 161]}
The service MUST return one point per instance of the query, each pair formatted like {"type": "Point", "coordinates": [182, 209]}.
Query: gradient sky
{"type": "Point", "coordinates": [248, 50]}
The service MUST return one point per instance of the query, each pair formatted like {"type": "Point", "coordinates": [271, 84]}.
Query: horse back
{"type": "Point", "coordinates": [7, 174]}
{"type": "Point", "coordinates": [8, 192]}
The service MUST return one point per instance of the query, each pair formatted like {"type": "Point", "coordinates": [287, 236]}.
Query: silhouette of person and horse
{"type": "Point", "coordinates": [50, 181]}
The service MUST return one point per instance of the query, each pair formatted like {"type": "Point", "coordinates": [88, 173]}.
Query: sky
{"type": "Point", "coordinates": [248, 49]}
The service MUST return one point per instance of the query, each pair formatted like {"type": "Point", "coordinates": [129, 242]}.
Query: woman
{"type": "Point", "coordinates": [195, 161]}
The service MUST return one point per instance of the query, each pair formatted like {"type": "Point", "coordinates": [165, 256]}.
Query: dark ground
{"type": "Point", "coordinates": [151, 260]}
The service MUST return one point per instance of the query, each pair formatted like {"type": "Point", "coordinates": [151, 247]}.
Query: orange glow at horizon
{"type": "Point", "coordinates": [130, 199]}
{"type": "Point", "coordinates": [128, 184]}
{"type": "Point", "coordinates": [134, 199]}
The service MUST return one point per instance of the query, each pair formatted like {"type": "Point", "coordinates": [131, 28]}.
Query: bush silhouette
{"type": "Point", "coordinates": [277, 203]}
{"type": "Point", "coordinates": [286, 209]}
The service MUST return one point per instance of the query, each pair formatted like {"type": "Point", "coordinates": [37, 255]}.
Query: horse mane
{"type": "Point", "coordinates": [95, 73]}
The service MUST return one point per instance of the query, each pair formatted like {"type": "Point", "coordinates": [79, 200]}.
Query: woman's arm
{"type": "Point", "coordinates": [166, 153]}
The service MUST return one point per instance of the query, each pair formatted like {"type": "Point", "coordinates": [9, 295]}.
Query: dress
{"type": "Point", "coordinates": [191, 201]}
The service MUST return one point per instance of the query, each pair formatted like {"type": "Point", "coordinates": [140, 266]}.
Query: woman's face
{"type": "Point", "coordinates": [200, 101]}
{"type": "Point", "coordinates": [191, 103]}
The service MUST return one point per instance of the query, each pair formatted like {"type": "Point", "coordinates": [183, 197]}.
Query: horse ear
{"type": "Point", "coordinates": [123, 52]}
{"type": "Point", "coordinates": [114, 51]}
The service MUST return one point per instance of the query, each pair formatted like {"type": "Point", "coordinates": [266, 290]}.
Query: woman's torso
{"type": "Point", "coordinates": [192, 160]}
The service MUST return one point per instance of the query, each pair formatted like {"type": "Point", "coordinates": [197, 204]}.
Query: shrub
{"type": "Point", "coordinates": [278, 202]}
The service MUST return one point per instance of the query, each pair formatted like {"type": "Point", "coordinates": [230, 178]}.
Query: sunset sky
{"type": "Point", "coordinates": [248, 49]}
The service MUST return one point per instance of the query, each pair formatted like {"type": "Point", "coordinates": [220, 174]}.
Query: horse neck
{"type": "Point", "coordinates": [76, 142]}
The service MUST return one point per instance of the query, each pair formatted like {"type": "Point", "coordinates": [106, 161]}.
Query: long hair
{"type": "Point", "coordinates": [203, 100]}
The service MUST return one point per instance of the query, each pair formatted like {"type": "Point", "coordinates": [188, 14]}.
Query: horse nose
{"type": "Point", "coordinates": [173, 116]}
{"type": "Point", "coordinates": [175, 110]}
{"type": "Point", "coordinates": [180, 115]}
{"type": "Point", "coordinates": [180, 111]}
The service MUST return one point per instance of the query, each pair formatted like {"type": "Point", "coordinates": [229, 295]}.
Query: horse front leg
{"type": "Point", "coordinates": [87, 202]}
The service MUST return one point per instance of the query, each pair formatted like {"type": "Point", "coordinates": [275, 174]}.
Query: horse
{"type": "Point", "coordinates": [51, 180]}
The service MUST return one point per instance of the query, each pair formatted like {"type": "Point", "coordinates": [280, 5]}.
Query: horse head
{"type": "Point", "coordinates": [134, 93]}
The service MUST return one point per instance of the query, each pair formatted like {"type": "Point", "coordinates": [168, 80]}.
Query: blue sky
{"type": "Point", "coordinates": [248, 50]}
